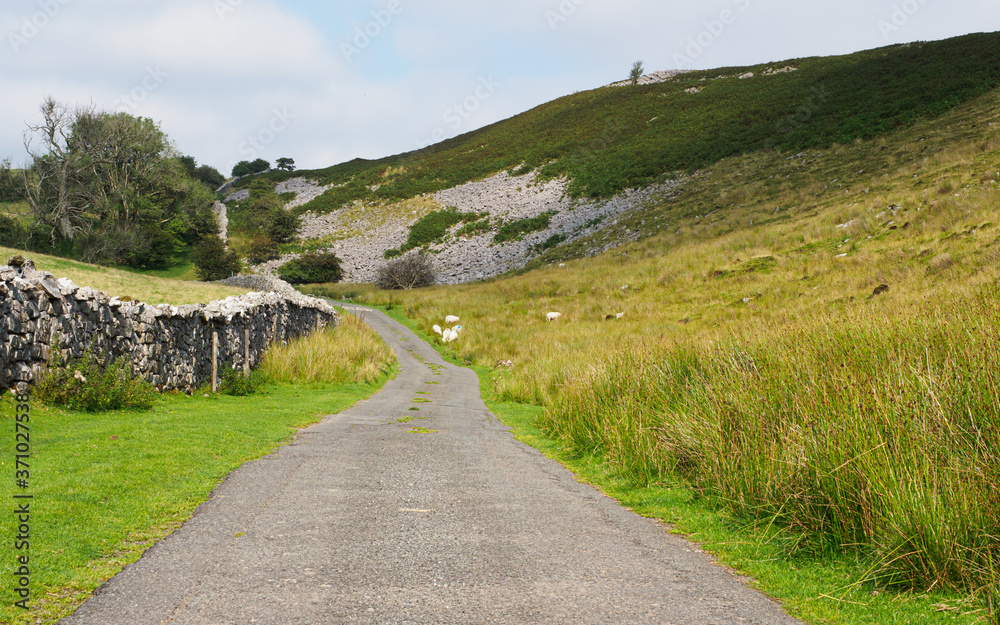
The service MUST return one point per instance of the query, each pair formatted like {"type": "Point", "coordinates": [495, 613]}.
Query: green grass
{"type": "Point", "coordinates": [107, 486]}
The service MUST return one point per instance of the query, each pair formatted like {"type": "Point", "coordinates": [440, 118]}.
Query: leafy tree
{"type": "Point", "coordinates": [210, 176]}
{"type": "Point", "coordinates": [262, 249]}
{"type": "Point", "coordinates": [11, 187]}
{"type": "Point", "coordinates": [259, 166]}
{"type": "Point", "coordinates": [241, 169]}
{"type": "Point", "coordinates": [287, 164]}
{"type": "Point", "coordinates": [213, 261]}
{"type": "Point", "coordinates": [312, 268]}
{"type": "Point", "coordinates": [246, 168]}
{"type": "Point", "coordinates": [636, 72]}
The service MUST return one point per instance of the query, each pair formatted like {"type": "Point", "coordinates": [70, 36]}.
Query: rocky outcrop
{"type": "Point", "coordinates": [169, 346]}
{"type": "Point", "coordinates": [459, 258]}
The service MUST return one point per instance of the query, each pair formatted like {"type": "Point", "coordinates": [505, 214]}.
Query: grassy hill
{"type": "Point", "coordinates": [612, 138]}
{"type": "Point", "coordinates": [809, 341]}
{"type": "Point", "coordinates": [120, 283]}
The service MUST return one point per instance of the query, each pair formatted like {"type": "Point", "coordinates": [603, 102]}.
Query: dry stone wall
{"type": "Point", "coordinates": [170, 346]}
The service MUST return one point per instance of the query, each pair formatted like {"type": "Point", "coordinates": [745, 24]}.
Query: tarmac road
{"type": "Point", "coordinates": [369, 517]}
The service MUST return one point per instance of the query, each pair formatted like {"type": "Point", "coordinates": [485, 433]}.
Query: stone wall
{"type": "Point", "coordinates": [170, 346]}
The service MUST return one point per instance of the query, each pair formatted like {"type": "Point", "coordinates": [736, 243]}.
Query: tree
{"type": "Point", "coordinates": [408, 272]}
{"type": "Point", "coordinates": [287, 164]}
{"type": "Point", "coordinates": [51, 181]}
{"type": "Point", "coordinates": [210, 176]}
{"type": "Point", "coordinates": [213, 261]}
{"type": "Point", "coordinates": [245, 168]}
{"type": "Point", "coordinates": [115, 178]}
{"type": "Point", "coordinates": [312, 268]}
{"type": "Point", "coordinates": [636, 72]}
{"type": "Point", "coordinates": [11, 188]}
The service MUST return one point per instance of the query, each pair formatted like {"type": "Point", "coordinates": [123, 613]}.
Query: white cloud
{"type": "Point", "coordinates": [218, 83]}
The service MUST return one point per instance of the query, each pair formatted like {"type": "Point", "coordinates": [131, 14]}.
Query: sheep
{"type": "Point", "coordinates": [552, 316]}
{"type": "Point", "coordinates": [437, 329]}
{"type": "Point", "coordinates": [451, 319]}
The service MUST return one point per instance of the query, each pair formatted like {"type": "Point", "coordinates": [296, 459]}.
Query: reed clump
{"type": "Point", "coordinates": [350, 353]}
{"type": "Point", "coordinates": [874, 436]}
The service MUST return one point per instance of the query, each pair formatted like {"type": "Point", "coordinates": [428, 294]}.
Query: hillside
{"type": "Point", "coordinates": [589, 149]}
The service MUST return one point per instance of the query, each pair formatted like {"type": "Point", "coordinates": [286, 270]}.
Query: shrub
{"type": "Point", "coordinates": [239, 384]}
{"type": "Point", "coordinates": [517, 230]}
{"type": "Point", "coordinates": [213, 261]}
{"type": "Point", "coordinates": [210, 176]}
{"type": "Point", "coordinates": [11, 232]}
{"type": "Point", "coordinates": [408, 272]}
{"type": "Point", "coordinates": [312, 268]}
{"type": "Point", "coordinates": [262, 249]}
{"type": "Point", "coordinates": [91, 385]}
{"type": "Point", "coordinates": [433, 227]}
{"type": "Point", "coordinates": [281, 226]}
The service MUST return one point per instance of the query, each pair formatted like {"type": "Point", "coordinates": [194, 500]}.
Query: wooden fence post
{"type": "Point", "coordinates": [215, 360]}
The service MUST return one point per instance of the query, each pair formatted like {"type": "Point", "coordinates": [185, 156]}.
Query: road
{"type": "Point", "coordinates": [418, 506]}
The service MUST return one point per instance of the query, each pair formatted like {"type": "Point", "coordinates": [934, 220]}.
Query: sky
{"type": "Point", "coordinates": [324, 82]}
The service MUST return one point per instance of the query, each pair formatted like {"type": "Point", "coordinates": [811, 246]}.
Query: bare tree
{"type": "Point", "coordinates": [408, 272]}
{"type": "Point", "coordinates": [49, 182]}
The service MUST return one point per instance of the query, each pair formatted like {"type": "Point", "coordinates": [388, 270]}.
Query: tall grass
{"type": "Point", "coordinates": [871, 436]}
{"type": "Point", "coordinates": [347, 354]}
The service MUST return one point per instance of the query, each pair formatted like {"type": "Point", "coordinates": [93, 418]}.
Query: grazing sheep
{"type": "Point", "coordinates": [451, 319]}
{"type": "Point", "coordinates": [552, 316]}
{"type": "Point", "coordinates": [437, 329]}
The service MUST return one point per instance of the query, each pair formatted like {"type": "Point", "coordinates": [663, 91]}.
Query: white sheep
{"type": "Point", "coordinates": [451, 319]}
{"type": "Point", "coordinates": [437, 329]}
{"type": "Point", "coordinates": [552, 316]}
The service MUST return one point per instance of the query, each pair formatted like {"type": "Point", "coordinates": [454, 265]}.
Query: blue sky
{"type": "Point", "coordinates": [325, 82]}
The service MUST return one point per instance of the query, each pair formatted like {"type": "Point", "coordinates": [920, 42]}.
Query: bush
{"type": "Point", "coordinates": [239, 384]}
{"type": "Point", "coordinates": [408, 272]}
{"type": "Point", "coordinates": [281, 226]}
{"type": "Point", "coordinates": [517, 230]}
{"type": "Point", "coordinates": [262, 249]}
{"type": "Point", "coordinates": [434, 226]}
{"type": "Point", "coordinates": [312, 268]}
{"type": "Point", "coordinates": [12, 234]}
{"type": "Point", "coordinates": [213, 261]}
{"type": "Point", "coordinates": [89, 384]}
{"type": "Point", "coordinates": [141, 248]}
{"type": "Point", "coordinates": [210, 176]}
{"type": "Point", "coordinates": [245, 168]}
